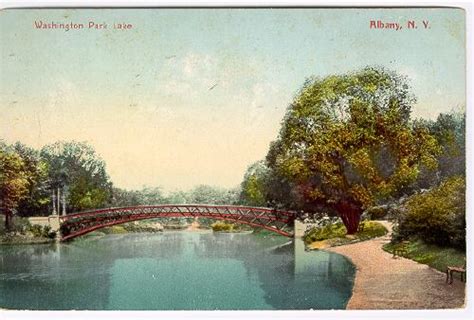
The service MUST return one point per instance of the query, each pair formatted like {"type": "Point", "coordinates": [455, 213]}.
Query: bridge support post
{"type": "Point", "coordinates": [304, 263]}
{"type": "Point", "coordinates": [55, 225]}
{"type": "Point", "coordinates": [300, 228]}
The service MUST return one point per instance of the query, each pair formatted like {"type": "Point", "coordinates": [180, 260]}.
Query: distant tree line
{"type": "Point", "coordinates": [201, 194]}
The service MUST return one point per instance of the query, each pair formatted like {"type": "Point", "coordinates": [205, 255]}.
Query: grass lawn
{"type": "Point", "coordinates": [336, 234]}
{"type": "Point", "coordinates": [436, 257]}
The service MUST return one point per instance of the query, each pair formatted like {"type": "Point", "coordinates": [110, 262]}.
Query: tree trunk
{"type": "Point", "coordinates": [8, 219]}
{"type": "Point", "coordinates": [350, 214]}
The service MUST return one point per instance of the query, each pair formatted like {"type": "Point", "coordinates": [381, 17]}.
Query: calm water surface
{"type": "Point", "coordinates": [173, 271]}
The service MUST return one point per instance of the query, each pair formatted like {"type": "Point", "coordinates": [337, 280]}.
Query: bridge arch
{"type": "Point", "coordinates": [78, 224]}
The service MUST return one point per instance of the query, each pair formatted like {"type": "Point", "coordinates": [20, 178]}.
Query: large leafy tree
{"type": "Point", "coordinates": [38, 196]}
{"type": "Point", "coordinates": [347, 142]}
{"type": "Point", "coordinates": [13, 182]}
{"type": "Point", "coordinates": [75, 167]}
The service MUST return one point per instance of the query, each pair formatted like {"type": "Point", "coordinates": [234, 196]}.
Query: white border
{"type": "Point", "coordinates": [467, 313]}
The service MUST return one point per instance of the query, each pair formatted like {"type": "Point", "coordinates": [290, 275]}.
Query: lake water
{"type": "Point", "coordinates": [173, 271]}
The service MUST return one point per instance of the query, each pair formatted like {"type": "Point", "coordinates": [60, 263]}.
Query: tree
{"type": "Point", "coordinates": [75, 167]}
{"type": "Point", "coordinates": [450, 132]}
{"type": "Point", "coordinates": [253, 191]}
{"type": "Point", "coordinates": [347, 142]}
{"type": "Point", "coordinates": [205, 194]}
{"type": "Point", "coordinates": [13, 182]}
{"type": "Point", "coordinates": [437, 216]}
{"type": "Point", "coordinates": [38, 198]}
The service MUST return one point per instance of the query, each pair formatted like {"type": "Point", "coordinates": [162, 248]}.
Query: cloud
{"type": "Point", "coordinates": [196, 74]}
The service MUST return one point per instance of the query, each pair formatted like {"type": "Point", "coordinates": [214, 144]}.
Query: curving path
{"type": "Point", "coordinates": [383, 282]}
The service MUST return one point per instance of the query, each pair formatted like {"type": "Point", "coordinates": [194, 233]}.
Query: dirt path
{"type": "Point", "coordinates": [383, 282]}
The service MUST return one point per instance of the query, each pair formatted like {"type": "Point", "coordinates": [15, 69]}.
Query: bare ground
{"type": "Point", "coordinates": [383, 282]}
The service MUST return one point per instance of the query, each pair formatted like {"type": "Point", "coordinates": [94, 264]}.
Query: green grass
{"type": "Point", "coordinates": [434, 256]}
{"type": "Point", "coordinates": [338, 233]}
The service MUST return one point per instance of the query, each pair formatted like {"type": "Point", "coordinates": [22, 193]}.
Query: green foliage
{"type": "Point", "coordinates": [347, 142]}
{"type": "Point", "coordinates": [450, 132]}
{"type": "Point", "coordinates": [222, 226]}
{"type": "Point", "coordinates": [75, 167]}
{"type": "Point", "coordinates": [204, 194]}
{"type": "Point", "coordinates": [253, 186]}
{"type": "Point", "coordinates": [36, 230]}
{"type": "Point", "coordinates": [432, 255]}
{"type": "Point", "coordinates": [119, 229]}
{"type": "Point", "coordinates": [329, 231]}
{"type": "Point", "coordinates": [143, 226]}
{"type": "Point", "coordinates": [437, 216]}
{"type": "Point", "coordinates": [14, 182]}
{"type": "Point", "coordinates": [41, 232]}
{"type": "Point", "coordinates": [376, 213]}
{"type": "Point", "coordinates": [38, 197]}
{"type": "Point", "coordinates": [371, 229]}
{"type": "Point", "coordinates": [201, 194]}
{"type": "Point", "coordinates": [28, 178]}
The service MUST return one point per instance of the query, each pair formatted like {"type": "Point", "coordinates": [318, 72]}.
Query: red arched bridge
{"type": "Point", "coordinates": [77, 224]}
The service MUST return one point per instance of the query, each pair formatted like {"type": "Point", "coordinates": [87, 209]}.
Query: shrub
{"type": "Point", "coordinates": [47, 233]}
{"type": "Point", "coordinates": [222, 226]}
{"type": "Point", "coordinates": [327, 232]}
{"type": "Point", "coordinates": [372, 229]}
{"type": "Point", "coordinates": [376, 213]}
{"type": "Point", "coordinates": [36, 230]}
{"type": "Point", "coordinates": [437, 216]}
{"type": "Point", "coordinates": [41, 232]}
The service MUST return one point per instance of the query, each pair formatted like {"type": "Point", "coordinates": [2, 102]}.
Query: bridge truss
{"type": "Point", "coordinates": [77, 224]}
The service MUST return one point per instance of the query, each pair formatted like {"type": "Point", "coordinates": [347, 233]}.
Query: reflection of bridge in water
{"type": "Point", "coordinates": [77, 224]}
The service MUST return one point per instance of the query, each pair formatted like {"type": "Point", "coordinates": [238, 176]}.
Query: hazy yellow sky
{"type": "Point", "coordinates": [191, 97]}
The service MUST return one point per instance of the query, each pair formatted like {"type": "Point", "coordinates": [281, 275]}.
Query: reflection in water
{"type": "Point", "coordinates": [173, 271]}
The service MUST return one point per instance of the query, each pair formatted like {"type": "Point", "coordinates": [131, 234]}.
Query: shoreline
{"type": "Point", "coordinates": [385, 283]}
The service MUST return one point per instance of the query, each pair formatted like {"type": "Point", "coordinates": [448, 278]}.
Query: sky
{"type": "Point", "coordinates": [195, 96]}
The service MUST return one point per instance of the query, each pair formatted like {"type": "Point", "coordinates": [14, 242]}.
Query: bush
{"type": "Point", "coordinates": [437, 216]}
{"type": "Point", "coordinates": [41, 232]}
{"type": "Point", "coordinates": [36, 230]}
{"type": "Point", "coordinates": [222, 226]}
{"type": "Point", "coordinates": [372, 229]}
{"type": "Point", "coordinates": [376, 213]}
{"type": "Point", "coordinates": [337, 230]}
{"type": "Point", "coordinates": [47, 233]}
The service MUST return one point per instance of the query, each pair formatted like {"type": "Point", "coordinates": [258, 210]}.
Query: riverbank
{"type": "Point", "coordinates": [23, 239]}
{"type": "Point", "coordinates": [383, 282]}
{"type": "Point", "coordinates": [336, 235]}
